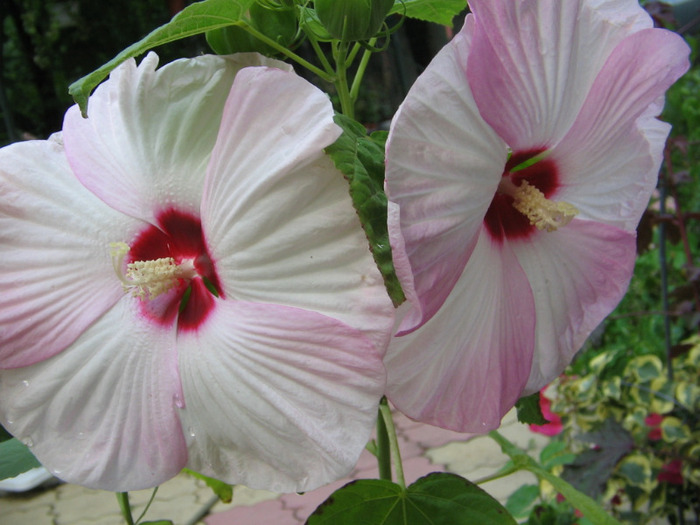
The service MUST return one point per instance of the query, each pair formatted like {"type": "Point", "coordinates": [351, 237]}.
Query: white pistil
{"type": "Point", "coordinates": [149, 279]}
{"type": "Point", "coordinates": [540, 211]}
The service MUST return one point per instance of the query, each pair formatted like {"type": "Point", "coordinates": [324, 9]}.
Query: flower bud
{"type": "Point", "coordinates": [353, 19]}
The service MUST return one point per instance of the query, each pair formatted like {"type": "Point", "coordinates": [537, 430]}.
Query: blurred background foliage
{"type": "Point", "coordinates": [47, 44]}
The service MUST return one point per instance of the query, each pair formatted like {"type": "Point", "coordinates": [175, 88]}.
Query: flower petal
{"type": "Point", "coordinates": [56, 274]}
{"type": "Point", "coordinates": [443, 167]}
{"type": "Point", "coordinates": [578, 275]}
{"type": "Point", "coordinates": [276, 213]}
{"type": "Point", "coordinates": [102, 413]}
{"type": "Point", "coordinates": [610, 158]}
{"type": "Point", "coordinates": [533, 61]}
{"type": "Point", "coordinates": [149, 135]}
{"type": "Point", "coordinates": [277, 398]}
{"type": "Point", "coordinates": [467, 366]}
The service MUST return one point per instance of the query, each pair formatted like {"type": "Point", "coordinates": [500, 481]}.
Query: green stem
{"type": "Point", "coordinates": [289, 54]}
{"type": "Point", "coordinates": [353, 53]}
{"type": "Point", "coordinates": [321, 55]}
{"type": "Point", "coordinates": [359, 75]}
{"type": "Point", "coordinates": [498, 475]}
{"type": "Point", "coordinates": [340, 53]}
{"type": "Point", "coordinates": [393, 443]}
{"type": "Point", "coordinates": [383, 447]}
{"type": "Point", "coordinates": [148, 505]}
{"type": "Point", "coordinates": [123, 499]}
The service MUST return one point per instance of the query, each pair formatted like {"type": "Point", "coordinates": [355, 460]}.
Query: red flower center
{"type": "Point", "coordinates": [502, 220]}
{"type": "Point", "coordinates": [190, 299]}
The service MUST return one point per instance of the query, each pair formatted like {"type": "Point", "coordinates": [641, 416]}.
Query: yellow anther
{"type": "Point", "coordinates": [149, 279]}
{"type": "Point", "coordinates": [541, 212]}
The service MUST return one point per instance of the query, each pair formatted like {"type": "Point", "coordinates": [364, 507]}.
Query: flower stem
{"type": "Point", "coordinates": [125, 506]}
{"type": "Point", "coordinates": [340, 53]}
{"type": "Point", "coordinates": [289, 54]}
{"type": "Point", "coordinates": [148, 505]}
{"type": "Point", "coordinates": [359, 75]}
{"type": "Point", "coordinates": [383, 447]}
{"type": "Point", "coordinates": [393, 443]}
{"type": "Point", "coordinates": [498, 475]}
{"type": "Point", "coordinates": [321, 55]}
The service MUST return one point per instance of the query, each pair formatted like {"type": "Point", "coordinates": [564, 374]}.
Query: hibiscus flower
{"type": "Point", "coordinates": [184, 283]}
{"type": "Point", "coordinates": [517, 170]}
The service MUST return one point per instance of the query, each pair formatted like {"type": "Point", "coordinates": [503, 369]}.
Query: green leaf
{"type": "Point", "coordinates": [197, 18]}
{"type": "Point", "coordinates": [361, 159]}
{"type": "Point", "coordinates": [588, 506]}
{"type": "Point", "coordinates": [439, 11]}
{"type": "Point", "coordinates": [436, 499]}
{"type": "Point", "coordinates": [556, 453]}
{"type": "Point", "coordinates": [529, 410]}
{"type": "Point", "coordinates": [223, 490]}
{"type": "Point", "coordinates": [522, 500]}
{"type": "Point", "coordinates": [15, 458]}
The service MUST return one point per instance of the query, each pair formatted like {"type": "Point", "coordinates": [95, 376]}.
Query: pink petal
{"type": "Point", "coordinates": [149, 135]}
{"type": "Point", "coordinates": [56, 273]}
{"type": "Point", "coordinates": [103, 412]}
{"type": "Point", "coordinates": [443, 166]}
{"type": "Point", "coordinates": [277, 398]}
{"type": "Point", "coordinates": [610, 158]}
{"type": "Point", "coordinates": [533, 62]}
{"type": "Point", "coordinates": [467, 366]}
{"type": "Point", "coordinates": [276, 213]}
{"type": "Point", "coordinates": [578, 275]}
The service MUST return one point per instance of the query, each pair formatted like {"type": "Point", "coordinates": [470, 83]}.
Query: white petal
{"type": "Point", "coordinates": [578, 275]}
{"type": "Point", "coordinates": [533, 61]}
{"type": "Point", "coordinates": [149, 135]}
{"type": "Point", "coordinates": [467, 366]}
{"type": "Point", "coordinates": [102, 413]}
{"type": "Point", "coordinates": [277, 398]}
{"type": "Point", "coordinates": [443, 166]}
{"type": "Point", "coordinates": [610, 159]}
{"type": "Point", "coordinates": [276, 213]}
{"type": "Point", "coordinates": [56, 273]}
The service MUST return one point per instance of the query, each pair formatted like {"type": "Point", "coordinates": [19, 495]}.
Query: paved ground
{"type": "Point", "coordinates": [185, 500]}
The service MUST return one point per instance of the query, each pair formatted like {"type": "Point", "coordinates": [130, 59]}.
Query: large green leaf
{"type": "Point", "coordinates": [15, 458]}
{"type": "Point", "coordinates": [361, 159]}
{"type": "Point", "coordinates": [436, 499]}
{"type": "Point", "coordinates": [197, 18]}
{"type": "Point", "coordinates": [438, 11]}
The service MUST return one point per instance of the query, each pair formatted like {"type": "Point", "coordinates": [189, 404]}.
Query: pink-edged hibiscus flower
{"type": "Point", "coordinates": [184, 282]}
{"type": "Point", "coordinates": [517, 170]}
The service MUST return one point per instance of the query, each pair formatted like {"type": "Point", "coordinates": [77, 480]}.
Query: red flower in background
{"type": "Point", "coordinates": [554, 426]}
{"type": "Point", "coordinates": [654, 420]}
{"type": "Point", "coordinates": [672, 473]}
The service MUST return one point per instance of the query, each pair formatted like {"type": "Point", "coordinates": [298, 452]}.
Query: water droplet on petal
{"type": "Point", "coordinates": [25, 383]}
{"type": "Point", "coordinates": [28, 442]}
{"type": "Point", "coordinates": [191, 432]}
{"type": "Point", "coordinates": [179, 402]}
